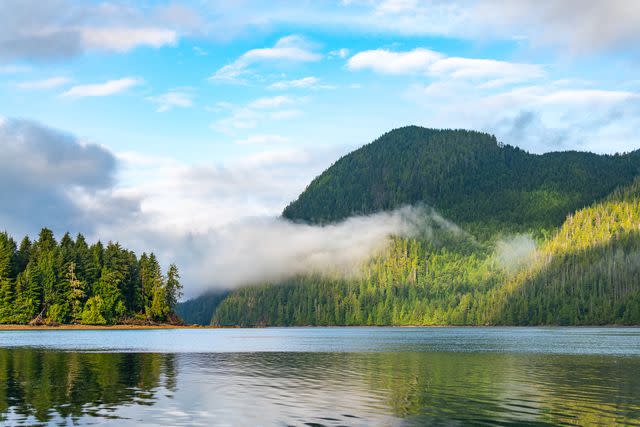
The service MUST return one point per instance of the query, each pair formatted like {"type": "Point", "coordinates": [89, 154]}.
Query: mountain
{"type": "Point", "coordinates": [582, 209]}
{"type": "Point", "coordinates": [468, 176]}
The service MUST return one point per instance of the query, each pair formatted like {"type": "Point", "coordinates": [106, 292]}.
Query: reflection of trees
{"type": "Point", "coordinates": [47, 384]}
{"type": "Point", "coordinates": [421, 388]}
{"type": "Point", "coordinates": [432, 388]}
{"type": "Point", "coordinates": [512, 388]}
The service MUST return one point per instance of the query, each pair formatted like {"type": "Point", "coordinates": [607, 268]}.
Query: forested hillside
{"type": "Point", "coordinates": [199, 311]}
{"type": "Point", "coordinates": [74, 282]}
{"type": "Point", "coordinates": [587, 273]}
{"type": "Point", "coordinates": [583, 210]}
{"type": "Point", "coordinates": [467, 176]}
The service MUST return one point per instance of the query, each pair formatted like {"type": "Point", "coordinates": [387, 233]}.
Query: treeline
{"type": "Point", "coordinates": [73, 282]}
{"type": "Point", "coordinates": [586, 273]}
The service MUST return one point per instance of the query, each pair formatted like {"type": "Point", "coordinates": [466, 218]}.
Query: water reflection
{"type": "Point", "coordinates": [52, 386]}
{"type": "Point", "coordinates": [317, 388]}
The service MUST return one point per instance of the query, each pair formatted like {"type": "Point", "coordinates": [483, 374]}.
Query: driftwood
{"type": "Point", "coordinates": [38, 320]}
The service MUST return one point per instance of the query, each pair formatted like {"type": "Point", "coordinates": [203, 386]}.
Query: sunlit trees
{"type": "Point", "coordinates": [70, 281]}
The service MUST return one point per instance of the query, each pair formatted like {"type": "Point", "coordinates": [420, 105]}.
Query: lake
{"type": "Point", "coordinates": [321, 376]}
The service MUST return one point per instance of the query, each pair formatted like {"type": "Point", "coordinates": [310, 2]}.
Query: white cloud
{"type": "Point", "coordinates": [387, 62]}
{"type": "Point", "coordinates": [420, 61]}
{"type": "Point", "coordinates": [50, 83]}
{"type": "Point", "coordinates": [575, 26]}
{"type": "Point", "coordinates": [538, 118]}
{"type": "Point", "coordinates": [262, 139]}
{"type": "Point", "coordinates": [290, 49]}
{"type": "Point", "coordinates": [123, 39]}
{"type": "Point", "coordinates": [172, 99]}
{"type": "Point", "coordinates": [496, 72]}
{"type": "Point", "coordinates": [109, 87]}
{"type": "Point", "coordinates": [396, 6]}
{"type": "Point", "coordinates": [303, 83]}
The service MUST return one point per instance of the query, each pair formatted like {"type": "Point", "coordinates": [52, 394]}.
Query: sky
{"type": "Point", "coordinates": [158, 122]}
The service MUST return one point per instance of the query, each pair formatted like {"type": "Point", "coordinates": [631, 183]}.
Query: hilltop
{"type": "Point", "coordinates": [469, 177]}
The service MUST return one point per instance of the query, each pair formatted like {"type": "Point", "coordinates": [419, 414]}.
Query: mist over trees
{"type": "Point", "coordinates": [582, 209]}
{"type": "Point", "coordinates": [70, 281]}
{"type": "Point", "coordinates": [588, 273]}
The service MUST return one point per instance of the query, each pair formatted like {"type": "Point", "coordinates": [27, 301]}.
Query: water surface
{"type": "Point", "coordinates": [322, 376]}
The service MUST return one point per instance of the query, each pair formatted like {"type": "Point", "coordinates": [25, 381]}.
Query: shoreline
{"type": "Point", "coordinates": [167, 326]}
{"type": "Point", "coordinates": [97, 327]}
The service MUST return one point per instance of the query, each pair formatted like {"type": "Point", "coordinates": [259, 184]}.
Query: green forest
{"type": "Point", "coordinates": [580, 211]}
{"type": "Point", "coordinates": [49, 282]}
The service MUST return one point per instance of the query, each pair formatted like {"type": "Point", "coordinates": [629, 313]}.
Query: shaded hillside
{"type": "Point", "coordinates": [467, 176]}
{"type": "Point", "coordinates": [198, 311]}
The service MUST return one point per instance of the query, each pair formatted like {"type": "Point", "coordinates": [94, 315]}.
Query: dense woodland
{"type": "Point", "coordinates": [467, 176]}
{"type": "Point", "coordinates": [587, 273]}
{"type": "Point", "coordinates": [582, 209]}
{"type": "Point", "coordinates": [73, 282]}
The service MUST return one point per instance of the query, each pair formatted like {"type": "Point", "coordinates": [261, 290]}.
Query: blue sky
{"type": "Point", "coordinates": [213, 112]}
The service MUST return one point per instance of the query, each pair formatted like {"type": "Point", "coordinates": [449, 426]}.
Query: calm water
{"type": "Point", "coordinates": [322, 376]}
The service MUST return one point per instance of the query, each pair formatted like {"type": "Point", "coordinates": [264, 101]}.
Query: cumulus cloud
{"type": "Point", "coordinates": [49, 178]}
{"type": "Point", "coordinates": [110, 87]}
{"type": "Point", "coordinates": [287, 50]}
{"type": "Point", "coordinates": [388, 62]}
